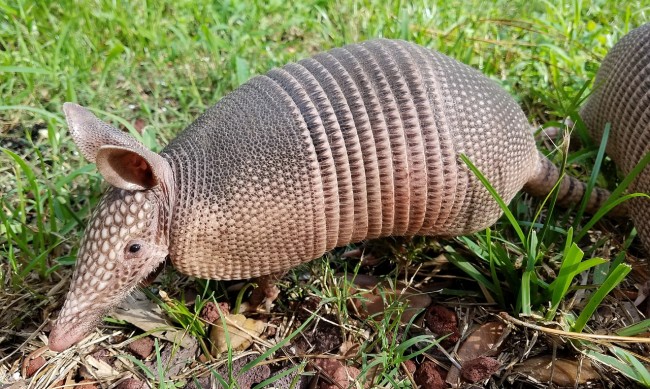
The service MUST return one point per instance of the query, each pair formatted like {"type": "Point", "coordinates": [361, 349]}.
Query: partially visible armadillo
{"type": "Point", "coordinates": [356, 143]}
{"type": "Point", "coordinates": [621, 97]}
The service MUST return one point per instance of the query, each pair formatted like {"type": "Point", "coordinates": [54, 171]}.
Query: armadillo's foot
{"type": "Point", "coordinates": [265, 293]}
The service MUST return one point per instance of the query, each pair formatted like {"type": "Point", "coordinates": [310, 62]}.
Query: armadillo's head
{"type": "Point", "coordinates": [127, 236]}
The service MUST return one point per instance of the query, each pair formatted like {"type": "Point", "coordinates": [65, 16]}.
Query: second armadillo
{"type": "Point", "coordinates": [621, 98]}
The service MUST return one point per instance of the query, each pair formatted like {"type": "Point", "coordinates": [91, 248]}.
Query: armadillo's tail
{"type": "Point", "coordinates": [571, 190]}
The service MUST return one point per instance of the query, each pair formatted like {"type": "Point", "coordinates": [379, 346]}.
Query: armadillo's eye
{"type": "Point", "coordinates": [134, 248]}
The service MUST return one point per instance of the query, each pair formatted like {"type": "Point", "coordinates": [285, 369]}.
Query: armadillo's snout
{"type": "Point", "coordinates": [61, 337]}
{"type": "Point", "coordinates": [75, 321]}
{"type": "Point", "coordinates": [58, 341]}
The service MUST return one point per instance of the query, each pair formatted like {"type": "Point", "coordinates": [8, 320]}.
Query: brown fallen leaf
{"type": "Point", "coordinates": [349, 349]}
{"type": "Point", "coordinates": [483, 341]}
{"type": "Point", "coordinates": [565, 372]}
{"type": "Point", "coordinates": [97, 369]}
{"type": "Point", "coordinates": [241, 332]}
{"type": "Point", "coordinates": [643, 296]}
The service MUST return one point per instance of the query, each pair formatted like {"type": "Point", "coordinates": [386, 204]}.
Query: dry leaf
{"type": "Point", "coordinates": [644, 293]}
{"type": "Point", "coordinates": [241, 332]}
{"type": "Point", "coordinates": [99, 370]}
{"type": "Point", "coordinates": [483, 341]}
{"type": "Point", "coordinates": [142, 313]}
{"type": "Point", "coordinates": [565, 372]}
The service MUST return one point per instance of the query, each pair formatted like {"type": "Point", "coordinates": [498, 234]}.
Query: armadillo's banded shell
{"type": "Point", "coordinates": [621, 97]}
{"type": "Point", "coordinates": [359, 142]}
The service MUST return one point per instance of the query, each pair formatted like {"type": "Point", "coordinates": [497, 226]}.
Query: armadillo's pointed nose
{"type": "Point", "coordinates": [69, 329]}
{"type": "Point", "coordinates": [60, 339]}
{"type": "Point", "coordinates": [75, 321]}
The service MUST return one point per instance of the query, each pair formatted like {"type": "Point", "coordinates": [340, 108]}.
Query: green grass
{"type": "Point", "coordinates": [156, 66]}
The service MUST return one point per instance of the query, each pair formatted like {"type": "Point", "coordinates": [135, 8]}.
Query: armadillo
{"type": "Point", "coordinates": [621, 97]}
{"type": "Point", "coordinates": [356, 143]}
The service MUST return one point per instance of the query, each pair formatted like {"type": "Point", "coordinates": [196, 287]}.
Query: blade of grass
{"type": "Point", "coordinates": [267, 382]}
{"type": "Point", "coordinates": [628, 365]}
{"type": "Point", "coordinates": [615, 277]}
{"type": "Point", "coordinates": [498, 292]}
{"type": "Point", "coordinates": [635, 329]}
{"type": "Point", "coordinates": [616, 197]}
{"type": "Point", "coordinates": [594, 175]}
{"type": "Point", "coordinates": [497, 198]}
{"type": "Point", "coordinates": [470, 269]}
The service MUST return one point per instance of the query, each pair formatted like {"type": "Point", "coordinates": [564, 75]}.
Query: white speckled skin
{"type": "Point", "coordinates": [356, 143]}
{"type": "Point", "coordinates": [109, 271]}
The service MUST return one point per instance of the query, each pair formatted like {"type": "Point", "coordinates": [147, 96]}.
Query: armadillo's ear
{"type": "Point", "coordinates": [131, 169]}
{"type": "Point", "coordinates": [90, 133]}
{"type": "Point", "coordinates": [121, 159]}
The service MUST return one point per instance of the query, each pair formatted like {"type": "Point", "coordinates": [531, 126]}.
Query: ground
{"type": "Point", "coordinates": [498, 308]}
